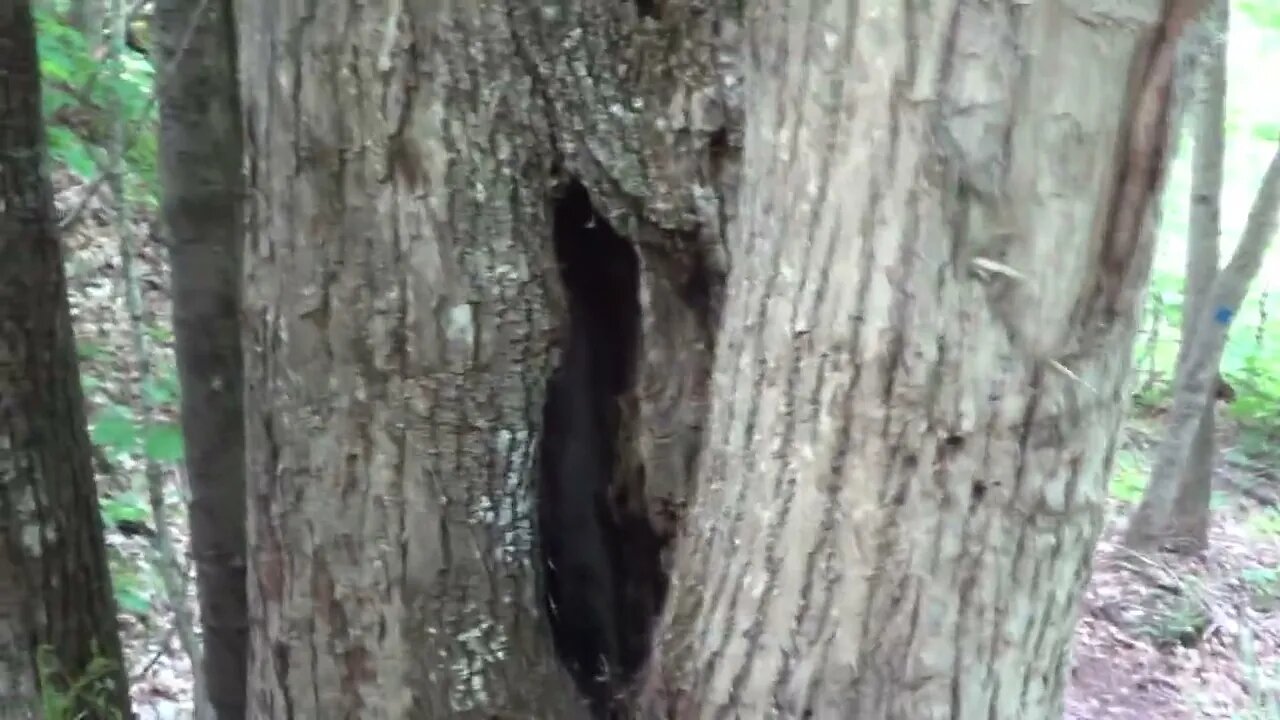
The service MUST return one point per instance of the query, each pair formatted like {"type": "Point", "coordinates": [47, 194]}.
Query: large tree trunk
{"type": "Point", "coordinates": [399, 310]}
{"type": "Point", "coordinates": [48, 498]}
{"type": "Point", "coordinates": [946, 231]}
{"type": "Point", "coordinates": [402, 304]}
{"type": "Point", "coordinates": [200, 165]}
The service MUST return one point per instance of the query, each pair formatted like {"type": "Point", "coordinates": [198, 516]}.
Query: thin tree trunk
{"type": "Point", "coordinates": [1150, 527]}
{"type": "Point", "coordinates": [48, 498]}
{"type": "Point", "coordinates": [1194, 484]}
{"type": "Point", "coordinates": [1174, 512]}
{"type": "Point", "coordinates": [946, 229]}
{"type": "Point", "coordinates": [90, 18]}
{"type": "Point", "coordinates": [200, 166]}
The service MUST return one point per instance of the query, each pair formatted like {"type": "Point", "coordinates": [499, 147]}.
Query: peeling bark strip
{"type": "Point", "coordinates": [902, 483]}
{"type": "Point", "coordinates": [1144, 153]}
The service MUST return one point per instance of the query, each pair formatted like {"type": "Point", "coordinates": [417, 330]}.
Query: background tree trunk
{"type": "Point", "coordinates": [48, 498]}
{"type": "Point", "coordinates": [1155, 524]}
{"type": "Point", "coordinates": [90, 18]}
{"type": "Point", "coordinates": [400, 299]}
{"type": "Point", "coordinates": [922, 365]}
{"type": "Point", "coordinates": [201, 173]}
{"type": "Point", "coordinates": [1191, 485]}
{"type": "Point", "coordinates": [20, 695]}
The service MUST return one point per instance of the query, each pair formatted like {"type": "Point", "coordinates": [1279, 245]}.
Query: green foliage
{"type": "Point", "coordinates": [135, 587]}
{"type": "Point", "coordinates": [91, 695]}
{"type": "Point", "coordinates": [1128, 478]}
{"type": "Point", "coordinates": [120, 435]}
{"type": "Point", "coordinates": [124, 507]}
{"type": "Point", "coordinates": [115, 428]}
{"type": "Point", "coordinates": [83, 97]}
{"type": "Point", "coordinates": [1264, 13]}
{"type": "Point", "coordinates": [1264, 587]}
{"type": "Point", "coordinates": [1182, 621]}
{"type": "Point", "coordinates": [1265, 523]}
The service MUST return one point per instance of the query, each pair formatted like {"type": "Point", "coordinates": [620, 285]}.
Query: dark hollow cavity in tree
{"type": "Point", "coordinates": [602, 578]}
{"type": "Point", "coordinates": [647, 8]}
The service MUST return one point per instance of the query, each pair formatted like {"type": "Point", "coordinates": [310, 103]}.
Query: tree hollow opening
{"type": "Point", "coordinates": [603, 581]}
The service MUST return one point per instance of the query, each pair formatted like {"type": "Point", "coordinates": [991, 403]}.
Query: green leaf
{"type": "Point", "coordinates": [124, 507]}
{"type": "Point", "coordinates": [1269, 131]}
{"type": "Point", "coordinates": [132, 601]}
{"type": "Point", "coordinates": [163, 443]}
{"type": "Point", "coordinates": [113, 429]}
{"type": "Point", "coordinates": [1265, 13]}
{"type": "Point", "coordinates": [159, 390]}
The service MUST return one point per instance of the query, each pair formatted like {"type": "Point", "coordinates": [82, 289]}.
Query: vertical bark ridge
{"type": "Point", "coordinates": [965, 474]}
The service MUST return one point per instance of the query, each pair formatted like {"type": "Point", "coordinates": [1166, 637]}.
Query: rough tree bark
{"type": "Point", "coordinates": [945, 235]}
{"type": "Point", "coordinates": [201, 173]}
{"type": "Point", "coordinates": [402, 304]}
{"type": "Point", "coordinates": [398, 297]}
{"type": "Point", "coordinates": [48, 499]}
{"type": "Point", "coordinates": [1190, 486]}
{"type": "Point", "coordinates": [1165, 519]}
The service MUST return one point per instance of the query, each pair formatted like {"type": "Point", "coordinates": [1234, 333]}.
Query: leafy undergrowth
{"type": "Point", "coordinates": [159, 671]}
{"type": "Point", "coordinates": [1158, 637]}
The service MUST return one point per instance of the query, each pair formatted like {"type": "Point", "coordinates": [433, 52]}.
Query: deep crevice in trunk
{"type": "Point", "coordinates": [602, 575]}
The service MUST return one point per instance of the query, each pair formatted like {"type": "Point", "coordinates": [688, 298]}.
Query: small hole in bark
{"type": "Point", "coordinates": [954, 442]}
{"type": "Point", "coordinates": [647, 8]}
{"type": "Point", "coordinates": [979, 491]}
{"type": "Point", "coordinates": [601, 571]}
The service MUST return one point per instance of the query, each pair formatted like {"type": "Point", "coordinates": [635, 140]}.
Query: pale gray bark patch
{"type": "Point", "coordinates": [945, 226]}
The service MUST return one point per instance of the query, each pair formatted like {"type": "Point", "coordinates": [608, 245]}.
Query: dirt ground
{"type": "Point", "coordinates": [1170, 637]}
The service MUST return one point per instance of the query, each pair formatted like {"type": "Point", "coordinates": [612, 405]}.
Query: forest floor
{"type": "Point", "coordinates": [1173, 637]}
{"type": "Point", "coordinates": [1158, 638]}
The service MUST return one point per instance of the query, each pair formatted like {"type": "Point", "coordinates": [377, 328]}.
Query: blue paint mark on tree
{"type": "Point", "coordinates": [1223, 315]}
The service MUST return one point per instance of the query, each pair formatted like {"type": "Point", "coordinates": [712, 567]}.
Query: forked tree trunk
{"type": "Point", "coordinates": [200, 165]}
{"type": "Point", "coordinates": [1191, 485]}
{"type": "Point", "coordinates": [52, 530]}
{"type": "Point", "coordinates": [1155, 524]}
{"type": "Point", "coordinates": [946, 231]}
{"type": "Point", "coordinates": [1174, 512]}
